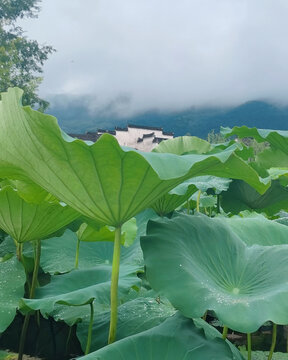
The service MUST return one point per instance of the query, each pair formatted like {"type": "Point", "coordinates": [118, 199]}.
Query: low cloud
{"type": "Point", "coordinates": [168, 55]}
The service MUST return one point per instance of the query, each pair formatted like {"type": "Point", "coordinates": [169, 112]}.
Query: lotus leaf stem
{"type": "Point", "coordinates": [218, 203]}
{"type": "Point", "coordinates": [38, 318]}
{"type": "Point", "coordinates": [31, 296]}
{"type": "Point", "coordinates": [224, 333]}
{"type": "Point", "coordinates": [249, 346]}
{"type": "Point", "coordinates": [77, 254]}
{"type": "Point", "coordinates": [114, 285]}
{"type": "Point", "coordinates": [23, 336]}
{"type": "Point", "coordinates": [36, 269]}
{"type": "Point", "coordinates": [19, 254]}
{"type": "Point", "coordinates": [89, 337]}
{"type": "Point", "coordinates": [68, 339]}
{"type": "Point", "coordinates": [274, 337]}
{"type": "Point", "coordinates": [198, 201]}
{"type": "Point", "coordinates": [210, 212]}
{"type": "Point", "coordinates": [19, 249]}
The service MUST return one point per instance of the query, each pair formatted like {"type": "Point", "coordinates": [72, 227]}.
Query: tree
{"type": "Point", "coordinates": [21, 59]}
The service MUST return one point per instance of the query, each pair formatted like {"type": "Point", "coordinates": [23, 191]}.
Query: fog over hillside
{"type": "Point", "coordinates": [75, 115]}
{"type": "Point", "coordinates": [128, 57]}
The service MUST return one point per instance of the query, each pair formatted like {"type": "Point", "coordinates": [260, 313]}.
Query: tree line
{"type": "Point", "coordinates": [21, 59]}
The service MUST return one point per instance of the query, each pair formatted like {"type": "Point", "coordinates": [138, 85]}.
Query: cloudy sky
{"type": "Point", "coordinates": [172, 54]}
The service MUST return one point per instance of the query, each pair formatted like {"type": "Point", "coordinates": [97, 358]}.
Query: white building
{"type": "Point", "coordinates": [143, 138]}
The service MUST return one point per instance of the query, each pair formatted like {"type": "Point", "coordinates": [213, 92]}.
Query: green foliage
{"type": "Point", "coordinates": [12, 280]}
{"type": "Point", "coordinates": [235, 267]}
{"type": "Point", "coordinates": [215, 138]}
{"type": "Point", "coordinates": [21, 60]}
{"type": "Point", "coordinates": [183, 145]}
{"type": "Point", "coordinates": [24, 221]}
{"type": "Point", "coordinates": [242, 285]}
{"type": "Point", "coordinates": [261, 230]}
{"type": "Point", "coordinates": [10, 10]}
{"type": "Point", "coordinates": [135, 315]}
{"type": "Point", "coordinates": [114, 184]}
{"type": "Point", "coordinates": [240, 196]}
{"type": "Point", "coordinates": [90, 232]}
{"type": "Point", "coordinates": [177, 338]}
{"type": "Point", "coordinates": [80, 287]}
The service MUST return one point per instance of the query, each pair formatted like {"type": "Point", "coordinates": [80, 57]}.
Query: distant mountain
{"type": "Point", "coordinates": [75, 117]}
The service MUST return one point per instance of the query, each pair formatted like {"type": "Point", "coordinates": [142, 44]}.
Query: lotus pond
{"type": "Point", "coordinates": [111, 253]}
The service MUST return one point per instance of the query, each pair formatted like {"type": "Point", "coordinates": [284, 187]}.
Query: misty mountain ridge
{"type": "Point", "coordinates": [77, 117]}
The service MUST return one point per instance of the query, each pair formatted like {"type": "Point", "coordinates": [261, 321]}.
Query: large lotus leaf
{"type": "Point", "coordinates": [80, 287]}
{"type": "Point", "coordinates": [129, 232]}
{"type": "Point", "coordinates": [101, 181]}
{"type": "Point", "coordinates": [199, 264]}
{"type": "Point", "coordinates": [7, 247]}
{"type": "Point", "coordinates": [174, 198]}
{"type": "Point", "coordinates": [2, 235]}
{"type": "Point", "coordinates": [241, 196]}
{"type": "Point", "coordinates": [183, 192]}
{"type": "Point", "coordinates": [134, 316]}
{"type": "Point", "coordinates": [12, 280]}
{"type": "Point", "coordinates": [29, 191]}
{"type": "Point", "coordinates": [278, 139]}
{"type": "Point", "coordinates": [142, 220]}
{"type": "Point", "coordinates": [78, 314]}
{"type": "Point", "coordinates": [205, 183]}
{"type": "Point", "coordinates": [212, 333]}
{"type": "Point", "coordinates": [32, 192]}
{"type": "Point", "coordinates": [58, 254]}
{"type": "Point", "coordinates": [176, 338]}
{"type": "Point", "coordinates": [245, 152]}
{"type": "Point", "coordinates": [205, 201]}
{"type": "Point", "coordinates": [261, 230]}
{"type": "Point", "coordinates": [279, 173]}
{"type": "Point", "coordinates": [91, 233]}
{"type": "Point", "coordinates": [26, 221]}
{"type": "Point", "coordinates": [183, 145]}
{"type": "Point", "coordinates": [276, 155]}
{"type": "Point", "coordinates": [272, 158]}
{"type": "Point", "coordinates": [190, 144]}
{"type": "Point", "coordinates": [72, 315]}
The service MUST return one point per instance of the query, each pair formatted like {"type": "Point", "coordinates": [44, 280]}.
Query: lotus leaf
{"type": "Point", "coordinates": [176, 197]}
{"type": "Point", "coordinates": [91, 233]}
{"type": "Point", "coordinates": [101, 181]}
{"type": "Point", "coordinates": [276, 155]}
{"type": "Point", "coordinates": [134, 316]}
{"type": "Point", "coordinates": [261, 230]}
{"type": "Point", "coordinates": [176, 338]}
{"type": "Point", "coordinates": [184, 144]}
{"type": "Point", "coordinates": [241, 196]}
{"type": "Point", "coordinates": [199, 264]}
{"type": "Point", "coordinates": [181, 193]}
{"type": "Point", "coordinates": [26, 221]}
{"type": "Point", "coordinates": [58, 254]}
{"type": "Point", "coordinates": [278, 139]}
{"type": "Point", "coordinates": [192, 145]}
{"type": "Point", "coordinates": [80, 287]}
{"type": "Point", "coordinates": [12, 280]}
